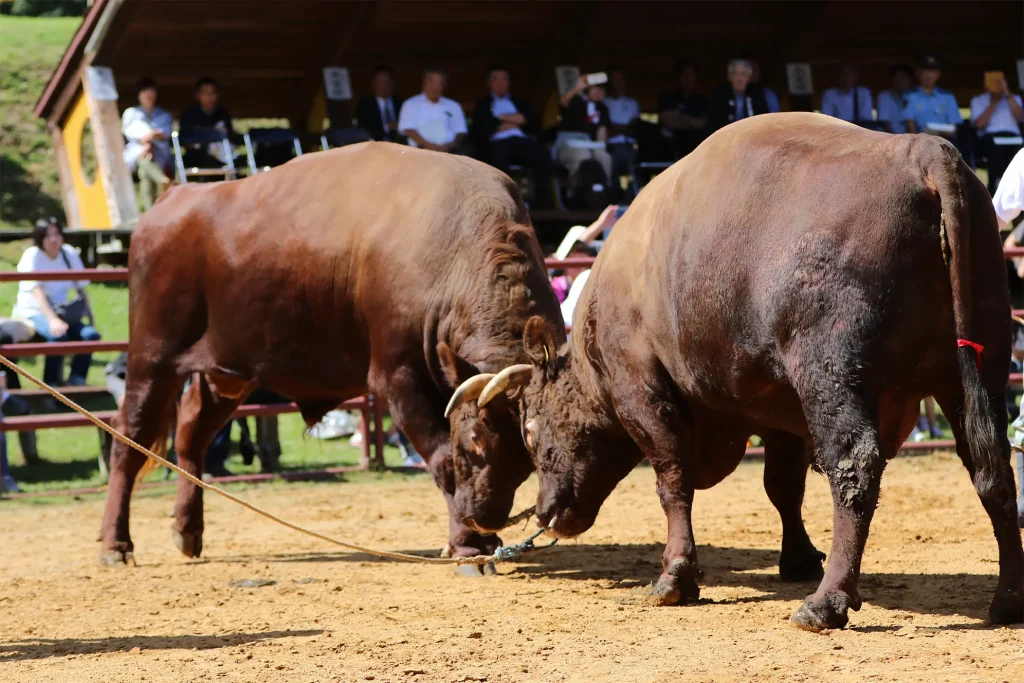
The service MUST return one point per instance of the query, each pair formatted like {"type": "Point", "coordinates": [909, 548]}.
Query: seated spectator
{"type": "Point", "coordinates": [46, 305]}
{"type": "Point", "coordinates": [377, 114]}
{"type": "Point", "coordinates": [623, 115]}
{"type": "Point", "coordinates": [683, 112]}
{"type": "Point", "coordinates": [893, 102]}
{"type": "Point", "coordinates": [770, 98]}
{"type": "Point", "coordinates": [206, 112]}
{"type": "Point", "coordinates": [996, 114]}
{"type": "Point", "coordinates": [737, 99]}
{"type": "Point", "coordinates": [147, 151]}
{"type": "Point", "coordinates": [849, 102]}
{"type": "Point", "coordinates": [930, 104]}
{"type": "Point", "coordinates": [584, 122]}
{"type": "Point", "coordinates": [432, 121]}
{"type": "Point", "coordinates": [505, 130]}
{"type": "Point", "coordinates": [569, 283]}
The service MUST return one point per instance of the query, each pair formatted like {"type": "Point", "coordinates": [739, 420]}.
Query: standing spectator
{"type": "Point", "coordinates": [1008, 203]}
{"type": "Point", "coordinates": [737, 99]}
{"type": "Point", "coordinates": [505, 130]}
{"type": "Point", "coordinates": [432, 121]}
{"type": "Point", "coordinates": [770, 98]}
{"type": "Point", "coordinates": [929, 103]}
{"type": "Point", "coordinates": [147, 152]}
{"type": "Point", "coordinates": [207, 112]}
{"type": "Point", "coordinates": [996, 114]}
{"type": "Point", "coordinates": [45, 302]}
{"type": "Point", "coordinates": [893, 102]}
{"type": "Point", "coordinates": [683, 112]}
{"type": "Point", "coordinates": [585, 121]}
{"type": "Point", "coordinates": [377, 114]}
{"type": "Point", "coordinates": [849, 102]}
{"type": "Point", "coordinates": [623, 115]}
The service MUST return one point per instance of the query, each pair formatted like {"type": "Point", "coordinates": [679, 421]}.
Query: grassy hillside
{"type": "Point", "coordinates": [29, 51]}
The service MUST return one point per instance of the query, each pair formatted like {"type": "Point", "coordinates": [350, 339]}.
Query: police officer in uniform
{"type": "Point", "coordinates": [929, 103]}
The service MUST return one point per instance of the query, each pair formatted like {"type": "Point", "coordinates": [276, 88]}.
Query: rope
{"type": "Point", "coordinates": [502, 554]}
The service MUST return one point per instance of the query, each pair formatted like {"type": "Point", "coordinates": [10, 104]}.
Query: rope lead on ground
{"type": "Point", "coordinates": [502, 554]}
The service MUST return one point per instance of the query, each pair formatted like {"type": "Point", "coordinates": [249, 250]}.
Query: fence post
{"type": "Point", "coordinates": [378, 420]}
{"type": "Point", "coordinates": [364, 429]}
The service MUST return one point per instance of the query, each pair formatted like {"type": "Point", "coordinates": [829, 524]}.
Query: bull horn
{"type": "Point", "coordinates": [467, 391]}
{"type": "Point", "coordinates": [509, 378]}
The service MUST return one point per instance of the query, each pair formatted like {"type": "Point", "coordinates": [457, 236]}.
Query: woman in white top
{"type": "Point", "coordinates": [37, 300]}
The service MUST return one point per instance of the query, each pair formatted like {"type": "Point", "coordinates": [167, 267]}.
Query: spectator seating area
{"type": "Point", "coordinates": [592, 120]}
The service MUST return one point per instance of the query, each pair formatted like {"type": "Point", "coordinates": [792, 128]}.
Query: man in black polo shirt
{"type": "Point", "coordinates": [206, 112]}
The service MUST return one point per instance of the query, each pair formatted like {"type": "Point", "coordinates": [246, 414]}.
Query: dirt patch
{"type": "Point", "coordinates": [268, 605]}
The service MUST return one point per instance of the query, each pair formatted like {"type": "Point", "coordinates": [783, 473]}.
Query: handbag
{"type": "Point", "coordinates": [77, 309]}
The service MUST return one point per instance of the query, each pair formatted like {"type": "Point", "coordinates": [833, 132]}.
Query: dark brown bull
{"type": "Point", "coordinates": [371, 268]}
{"type": "Point", "coordinates": [797, 277]}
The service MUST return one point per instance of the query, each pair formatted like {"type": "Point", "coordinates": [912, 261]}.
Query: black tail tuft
{"type": "Point", "coordinates": [979, 423]}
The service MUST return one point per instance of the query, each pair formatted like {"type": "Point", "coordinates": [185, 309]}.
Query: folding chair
{"type": "Point", "coordinates": [339, 137]}
{"type": "Point", "coordinates": [269, 136]}
{"type": "Point", "coordinates": [203, 137]}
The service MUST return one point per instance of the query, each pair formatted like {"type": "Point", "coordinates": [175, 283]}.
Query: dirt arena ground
{"type": "Point", "coordinates": [573, 613]}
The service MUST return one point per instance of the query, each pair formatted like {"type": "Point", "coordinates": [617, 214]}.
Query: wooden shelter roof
{"type": "Point", "coordinates": [267, 54]}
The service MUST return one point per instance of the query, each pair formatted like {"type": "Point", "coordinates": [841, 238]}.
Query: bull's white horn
{"type": "Point", "coordinates": [509, 378]}
{"type": "Point", "coordinates": [467, 391]}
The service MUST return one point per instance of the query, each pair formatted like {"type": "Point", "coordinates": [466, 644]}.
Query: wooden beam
{"type": "Point", "coordinates": [101, 98]}
{"type": "Point", "coordinates": [67, 184]}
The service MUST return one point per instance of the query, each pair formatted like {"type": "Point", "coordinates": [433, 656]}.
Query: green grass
{"type": "Point", "coordinates": [30, 49]}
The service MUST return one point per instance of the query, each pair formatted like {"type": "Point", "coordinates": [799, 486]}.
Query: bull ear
{"type": "Point", "coordinates": [456, 370]}
{"type": "Point", "coordinates": [539, 340]}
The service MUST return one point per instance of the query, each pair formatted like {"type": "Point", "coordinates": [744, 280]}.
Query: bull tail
{"type": "Point", "coordinates": [978, 419]}
{"type": "Point", "coordinates": [159, 445]}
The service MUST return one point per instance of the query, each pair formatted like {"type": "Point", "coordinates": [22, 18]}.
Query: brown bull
{"type": "Point", "coordinates": [371, 268]}
{"type": "Point", "coordinates": [797, 277]}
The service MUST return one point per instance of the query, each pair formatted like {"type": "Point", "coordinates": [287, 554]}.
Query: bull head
{"type": "Point", "coordinates": [489, 458]}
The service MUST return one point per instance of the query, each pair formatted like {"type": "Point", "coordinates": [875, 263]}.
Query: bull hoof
{"type": "Point", "coordinates": [190, 545]}
{"type": "Point", "coordinates": [809, 568]}
{"type": "Point", "coordinates": [446, 551]}
{"type": "Point", "coordinates": [116, 558]}
{"type": "Point", "coordinates": [1007, 607]}
{"type": "Point", "coordinates": [474, 571]}
{"type": "Point", "coordinates": [829, 612]}
{"type": "Point", "coordinates": [677, 586]}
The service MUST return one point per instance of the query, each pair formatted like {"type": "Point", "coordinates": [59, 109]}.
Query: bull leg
{"type": "Point", "coordinates": [145, 418]}
{"type": "Point", "coordinates": [681, 572]}
{"type": "Point", "coordinates": [785, 473]}
{"type": "Point", "coordinates": [418, 411]}
{"type": "Point", "coordinates": [847, 445]}
{"type": "Point", "coordinates": [996, 490]}
{"type": "Point", "coordinates": [201, 414]}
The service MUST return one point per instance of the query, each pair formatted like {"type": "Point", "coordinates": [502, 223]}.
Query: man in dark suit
{"type": "Point", "coordinates": [737, 99]}
{"type": "Point", "coordinates": [505, 131]}
{"type": "Point", "coordinates": [378, 113]}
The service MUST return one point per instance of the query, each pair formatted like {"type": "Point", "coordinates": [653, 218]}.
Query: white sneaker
{"type": "Point", "coordinates": [336, 424]}
{"type": "Point", "coordinates": [917, 436]}
{"type": "Point", "coordinates": [356, 441]}
{"type": "Point", "coordinates": [8, 485]}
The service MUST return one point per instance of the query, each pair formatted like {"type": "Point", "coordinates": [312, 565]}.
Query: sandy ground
{"type": "Point", "coordinates": [574, 613]}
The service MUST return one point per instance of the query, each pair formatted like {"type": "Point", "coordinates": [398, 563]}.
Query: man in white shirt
{"type": "Point", "coordinates": [432, 121]}
{"type": "Point", "coordinates": [1008, 202]}
{"type": "Point", "coordinates": [147, 150]}
{"type": "Point", "coordinates": [849, 101]}
{"type": "Point", "coordinates": [997, 115]}
{"type": "Point", "coordinates": [624, 113]}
